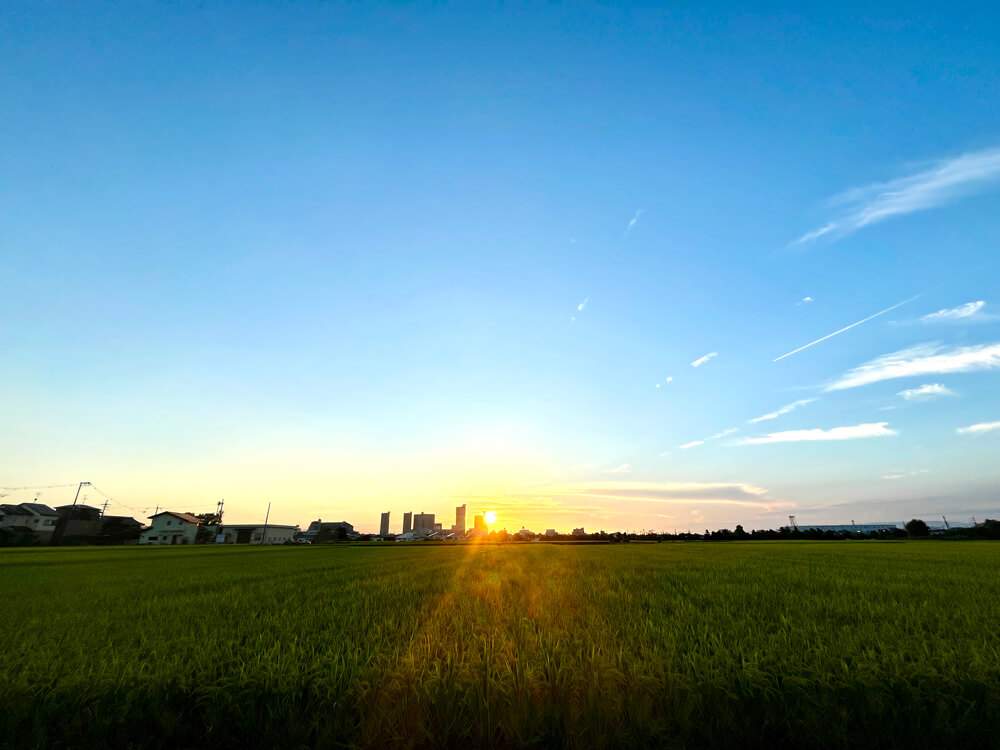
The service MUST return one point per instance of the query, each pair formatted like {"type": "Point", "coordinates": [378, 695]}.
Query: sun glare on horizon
{"type": "Point", "coordinates": [490, 516]}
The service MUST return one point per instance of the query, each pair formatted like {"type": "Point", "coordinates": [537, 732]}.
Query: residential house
{"type": "Point", "coordinates": [79, 522]}
{"type": "Point", "coordinates": [30, 518]}
{"type": "Point", "coordinates": [88, 525]}
{"type": "Point", "coordinates": [169, 527]}
{"type": "Point", "coordinates": [256, 533]}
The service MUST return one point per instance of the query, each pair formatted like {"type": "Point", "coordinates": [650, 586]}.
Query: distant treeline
{"type": "Point", "coordinates": [989, 529]}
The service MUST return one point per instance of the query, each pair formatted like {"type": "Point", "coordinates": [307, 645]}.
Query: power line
{"type": "Point", "coordinates": [39, 487]}
{"type": "Point", "coordinates": [36, 489]}
{"type": "Point", "coordinates": [118, 502]}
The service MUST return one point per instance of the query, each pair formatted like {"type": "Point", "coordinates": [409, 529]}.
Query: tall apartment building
{"type": "Point", "coordinates": [479, 524]}
{"type": "Point", "coordinates": [423, 522]}
{"type": "Point", "coordinates": [384, 527]}
{"type": "Point", "coordinates": [460, 519]}
{"type": "Point", "coordinates": [407, 522]}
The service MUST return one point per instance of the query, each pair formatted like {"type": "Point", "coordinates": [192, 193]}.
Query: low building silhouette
{"type": "Point", "coordinates": [329, 531]}
{"type": "Point", "coordinates": [256, 533]}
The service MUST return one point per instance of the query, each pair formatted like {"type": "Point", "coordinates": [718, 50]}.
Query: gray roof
{"type": "Point", "coordinates": [39, 509]}
{"type": "Point", "coordinates": [125, 520]}
{"type": "Point", "coordinates": [15, 510]}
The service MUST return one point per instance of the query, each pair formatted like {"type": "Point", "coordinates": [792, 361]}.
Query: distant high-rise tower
{"type": "Point", "coordinates": [384, 528]}
{"type": "Point", "coordinates": [479, 523]}
{"type": "Point", "coordinates": [407, 522]}
{"type": "Point", "coordinates": [460, 519]}
{"type": "Point", "coordinates": [423, 522]}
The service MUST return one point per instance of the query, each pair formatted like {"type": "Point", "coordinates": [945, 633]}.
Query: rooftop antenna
{"type": "Point", "coordinates": [792, 522]}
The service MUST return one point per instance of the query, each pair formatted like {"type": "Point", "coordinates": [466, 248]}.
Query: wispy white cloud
{"type": "Point", "coordinates": [583, 304]}
{"type": "Point", "coordinates": [804, 300]}
{"type": "Point", "coordinates": [904, 474]}
{"type": "Point", "coordinates": [923, 359]}
{"type": "Point", "coordinates": [670, 379]}
{"type": "Point", "coordinates": [872, 429]}
{"type": "Point", "coordinates": [927, 392]}
{"type": "Point", "coordinates": [623, 469]}
{"type": "Point", "coordinates": [722, 434]}
{"type": "Point", "coordinates": [632, 222]}
{"type": "Point", "coordinates": [815, 234]}
{"type": "Point", "coordinates": [845, 328]}
{"type": "Point", "coordinates": [978, 429]}
{"type": "Point", "coordinates": [699, 493]}
{"type": "Point", "coordinates": [945, 181]}
{"type": "Point", "coordinates": [966, 313]}
{"type": "Point", "coordinates": [783, 410]}
{"type": "Point", "coordinates": [716, 436]}
{"type": "Point", "coordinates": [702, 360]}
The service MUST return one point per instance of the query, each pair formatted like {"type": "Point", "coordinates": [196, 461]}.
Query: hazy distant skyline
{"type": "Point", "coordinates": [619, 268]}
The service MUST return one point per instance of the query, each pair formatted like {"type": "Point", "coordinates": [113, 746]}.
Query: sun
{"type": "Point", "coordinates": [490, 516]}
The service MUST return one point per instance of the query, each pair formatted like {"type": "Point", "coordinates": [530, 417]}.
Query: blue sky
{"type": "Point", "coordinates": [334, 257]}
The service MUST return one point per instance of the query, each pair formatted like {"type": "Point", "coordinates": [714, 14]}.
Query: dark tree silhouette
{"type": "Point", "coordinates": [916, 527]}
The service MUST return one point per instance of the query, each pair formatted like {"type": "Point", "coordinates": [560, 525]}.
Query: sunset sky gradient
{"type": "Point", "coordinates": [578, 265]}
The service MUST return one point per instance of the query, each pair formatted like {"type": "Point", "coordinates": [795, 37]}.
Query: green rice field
{"type": "Point", "coordinates": [747, 644]}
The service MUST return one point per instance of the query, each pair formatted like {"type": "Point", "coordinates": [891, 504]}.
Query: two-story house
{"type": "Point", "coordinates": [34, 518]}
{"type": "Point", "coordinates": [168, 527]}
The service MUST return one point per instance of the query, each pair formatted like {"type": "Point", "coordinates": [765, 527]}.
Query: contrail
{"type": "Point", "coordinates": [845, 328]}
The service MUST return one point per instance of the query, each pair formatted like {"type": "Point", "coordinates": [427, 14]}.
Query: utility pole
{"type": "Point", "coordinates": [104, 508]}
{"type": "Point", "coordinates": [57, 535]}
{"type": "Point", "coordinates": [263, 536]}
{"type": "Point", "coordinates": [79, 487]}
